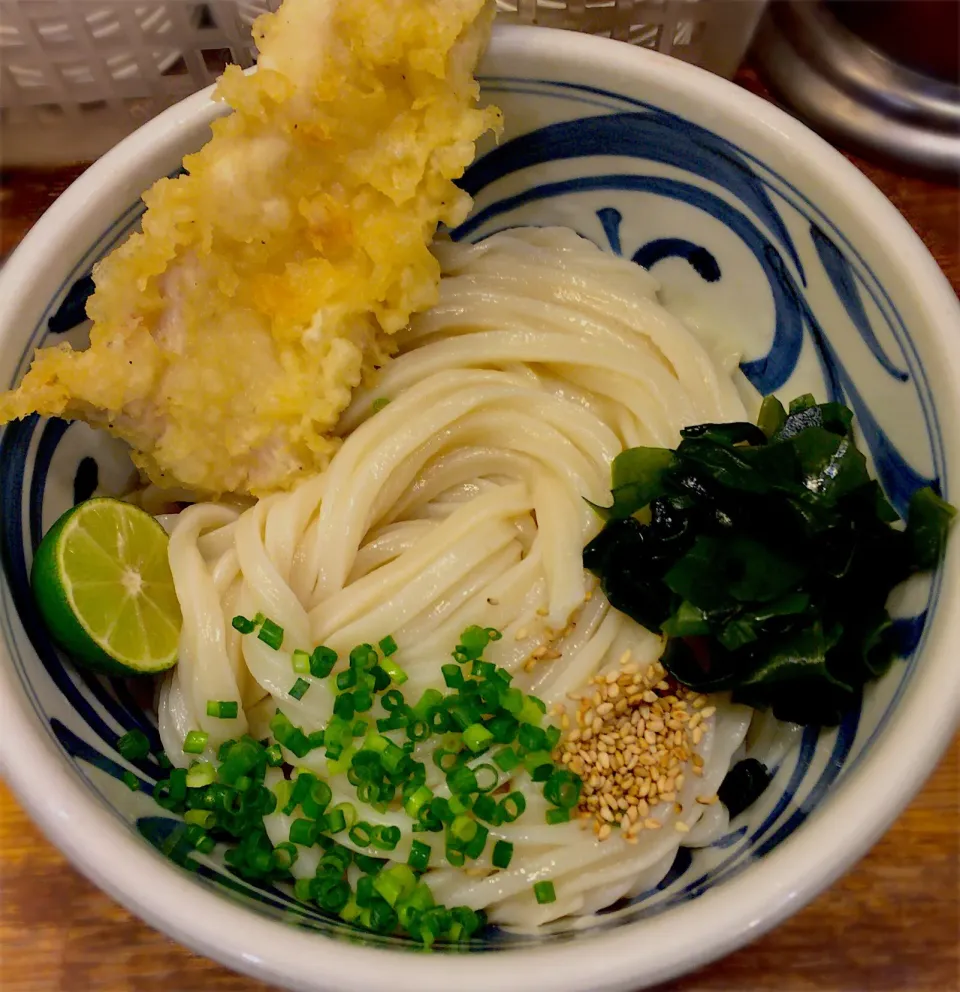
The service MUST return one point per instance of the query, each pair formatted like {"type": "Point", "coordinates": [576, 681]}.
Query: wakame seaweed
{"type": "Point", "coordinates": [766, 553]}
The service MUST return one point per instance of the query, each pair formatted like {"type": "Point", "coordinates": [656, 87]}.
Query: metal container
{"type": "Point", "coordinates": [881, 78]}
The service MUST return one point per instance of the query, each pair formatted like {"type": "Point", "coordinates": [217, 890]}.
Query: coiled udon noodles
{"type": "Point", "coordinates": [462, 501]}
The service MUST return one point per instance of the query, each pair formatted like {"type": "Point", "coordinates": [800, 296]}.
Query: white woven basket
{"type": "Point", "coordinates": [76, 76]}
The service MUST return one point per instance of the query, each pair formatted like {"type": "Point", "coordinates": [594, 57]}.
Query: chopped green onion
{"type": "Point", "coordinates": [204, 818]}
{"type": "Point", "coordinates": [284, 855]}
{"type": "Point", "coordinates": [334, 821]}
{"type": "Point", "coordinates": [346, 679]}
{"type": "Point", "coordinates": [419, 856]}
{"type": "Point", "coordinates": [388, 646]}
{"type": "Point", "coordinates": [462, 780]}
{"type": "Point", "coordinates": [303, 832]}
{"type": "Point", "coordinates": [361, 834]}
{"type": "Point", "coordinates": [483, 669]}
{"type": "Point", "coordinates": [463, 829]}
{"type": "Point", "coordinates": [322, 661]}
{"type": "Point", "coordinates": [474, 847]}
{"type": "Point", "coordinates": [299, 688]}
{"type": "Point", "coordinates": [440, 808]}
{"type": "Point", "coordinates": [301, 662]}
{"type": "Point", "coordinates": [539, 764]}
{"type": "Point", "coordinates": [512, 701]}
{"type": "Point", "coordinates": [301, 889]}
{"type": "Point", "coordinates": [512, 806]}
{"type": "Point", "coordinates": [274, 756]}
{"type": "Point", "coordinates": [504, 728]}
{"type": "Point", "coordinates": [195, 742]}
{"type": "Point", "coordinates": [395, 882]}
{"type": "Point", "coordinates": [380, 402]}
{"type": "Point", "coordinates": [244, 625]}
{"type": "Point", "coordinates": [343, 706]}
{"type": "Point", "coordinates": [133, 745]}
{"type": "Point", "coordinates": [386, 838]}
{"type": "Point", "coordinates": [271, 634]}
{"type": "Point", "coordinates": [368, 864]}
{"type": "Point", "coordinates": [559, 814]}
{"type": "Point", "coordinates": [532, 738]}
{"type": "Point", "coordinates": [487, 778]}
{"type": "Point", "coordinates": [532, 711]}
{"type": "Point", "coordinates": [506, 760]}
{"type": "Point", "coordinates": [487, 808]}
{"type": "Point", "coordinates": [452, 676]}
{"type": "Point", "coordinates": [460, 804]}
{"type": "Point", "coordinates": [224, 709]}
{"type": "Point", "coordinates": [131, 781]}
{"type": "Point", "coordinates": [477, 737]}
{"type": "Point", "coordinates": [201, 774]}
{"type": "Point", "coordinates": [563, 788]}
{"type": "Point", "coordinates": [331, 894]}
{"type": "Point", "coordinates": [502, 854]}
{"type": "Point", "coordinates": [417, 800]}
{"type": "Point", "coordinates": [397, 675]}
{"type": "Point", "coordinates": [544, 892]}
{"type": "Point", "coordinates": [317, 799]}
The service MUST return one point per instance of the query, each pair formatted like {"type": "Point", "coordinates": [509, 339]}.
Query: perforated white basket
{"type": "Point", "coordinates": [76, 76]}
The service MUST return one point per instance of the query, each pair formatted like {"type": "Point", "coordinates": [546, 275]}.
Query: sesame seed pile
{"type": "Point", "coordinates": [632, 740]}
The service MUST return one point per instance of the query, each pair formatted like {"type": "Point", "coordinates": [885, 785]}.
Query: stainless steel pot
{"type": "Point", "coordinates": [880, 76]}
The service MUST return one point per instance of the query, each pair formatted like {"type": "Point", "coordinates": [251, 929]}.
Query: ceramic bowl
{"type": "Point", "coordinates": [760, 233]}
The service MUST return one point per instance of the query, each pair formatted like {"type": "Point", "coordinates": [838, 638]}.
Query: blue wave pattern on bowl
{"type": "Point", "coordinates": [681, 201]}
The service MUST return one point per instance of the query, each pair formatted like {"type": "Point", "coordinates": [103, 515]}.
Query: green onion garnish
{"type": "Point", "coordinates": [506, 760]}
{"type": "Point", "coordinates": [544, 892]}
{"type": "Point", "coordinates": [477, 737]}
{"type": "Point", "coordinates": [322, 661]}
{"type": "Point", "coordinates": [559, 814]}
{"type": "Point", "coordinates": [303, 832]}
{"type": "Point", "coordinates": [361, 834]}
{"type": "Point", "coordinates": [343, 706]}
{"type": "Point", "coordinates": [244, 625]}
{"type": "Point", "coordinates": [271, 634]}
{"type": "Point", "coordinates": [397, 675]}
{"type": "Point", "coordinates": [131, 781]}
{"type": "Point", "coordinates": [379, 403]}
{"type": "Point", "coordinates": [386, 838]}
{"type": "Point", "coordinates": [388, 646]}
{"type": "Point", "coordinates": [299, 688]}
{"type": "Point", "coordinates": [223, 709]}
{"type": "Point", "coordinates": [474, 847]}
{"type": "Point", "coordinates": [284, 855]}
{"type": "Point", "coordinates": [274, 756]}
{"type": "Point", "coordinates": [462, 780]}
{"type": "Point", "coordinates": [301, 662]}
{"type": "Point", "coordinates": [502, 854]}
{"type": "Point", "coordinates": [133, 745]}
{"type": "Point", "coordinates": [195, 742]}
{"type": "Point", "coordinates": [200, 774]}
{"type": "Point", "coordinates": [201, 817]}
{"type": "Point", "coordinates": [512, 806]}
{"type": "Point", "coordinates": [419, 856]}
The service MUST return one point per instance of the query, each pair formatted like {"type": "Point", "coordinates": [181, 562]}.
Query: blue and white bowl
{"type": "Point", "coordinates": [759, 232]}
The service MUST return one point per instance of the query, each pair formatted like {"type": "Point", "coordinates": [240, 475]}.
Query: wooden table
{"type": "Point", "coordinates": [892, 924]}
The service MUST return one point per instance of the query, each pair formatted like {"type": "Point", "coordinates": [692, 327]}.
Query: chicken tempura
{"type": "Point", "coordinates": [228, 336]}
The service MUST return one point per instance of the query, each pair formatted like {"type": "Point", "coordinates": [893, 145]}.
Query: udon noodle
{"type": "Point", "coordinates": [462, 500]}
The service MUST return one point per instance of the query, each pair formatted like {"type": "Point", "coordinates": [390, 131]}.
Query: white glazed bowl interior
{"type": "Point", "coordinates": [759, 232]}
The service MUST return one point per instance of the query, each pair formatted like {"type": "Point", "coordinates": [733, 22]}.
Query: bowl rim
{"type": "Point", "coordinates": [680, 940]}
